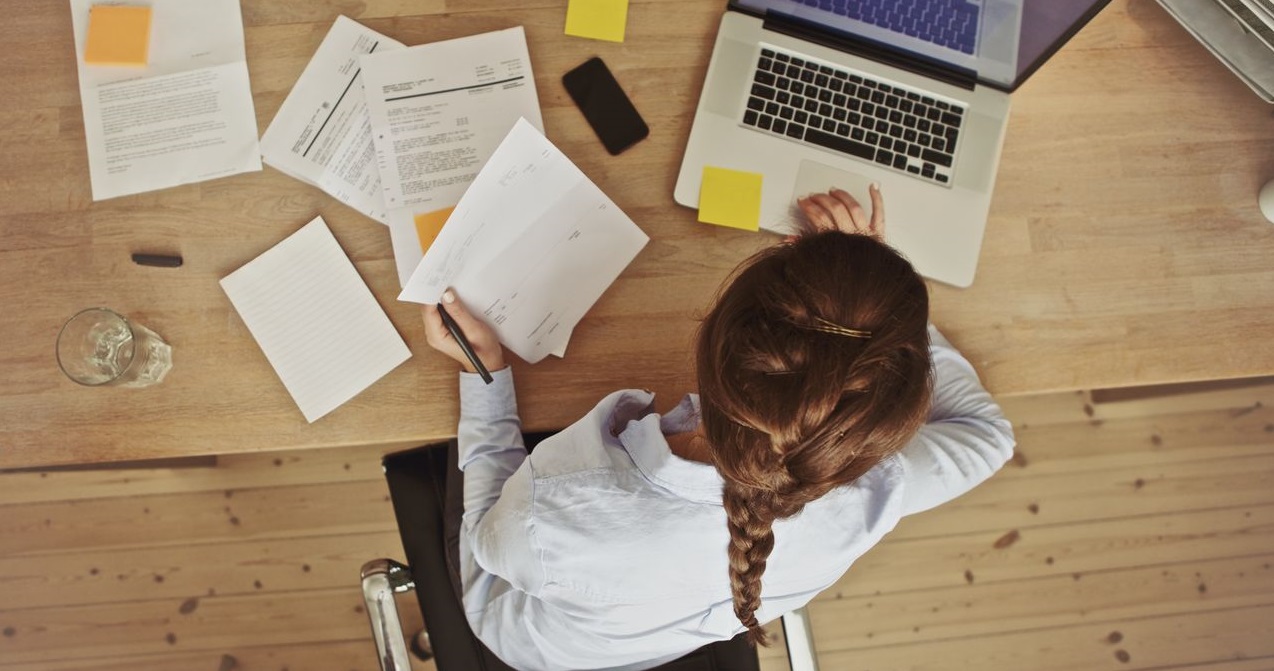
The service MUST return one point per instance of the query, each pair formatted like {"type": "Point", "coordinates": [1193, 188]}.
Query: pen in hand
{"type": "Point", "coordinates": [454, 329]}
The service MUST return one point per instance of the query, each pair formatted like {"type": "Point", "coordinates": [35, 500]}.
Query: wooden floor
{"type": "Point", "coordinates": [1127, 534]}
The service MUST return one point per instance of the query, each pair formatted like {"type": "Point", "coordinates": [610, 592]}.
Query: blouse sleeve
{"type": "Point", "coordinates": [966, 439]}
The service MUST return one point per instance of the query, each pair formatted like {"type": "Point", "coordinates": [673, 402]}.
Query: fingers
{"type": "Point", "coordinates": [819, 218]}
{"type": "Point", "coordinates": [837, 208]}
{"type": "Point", "coordinates": [858, 219]}
{"type": "Point", "coordinates": [877, 210]}
{"type": "Point", "coordinates": [456, 309]}
{"type": "Point", "coordinates": [435, 331]}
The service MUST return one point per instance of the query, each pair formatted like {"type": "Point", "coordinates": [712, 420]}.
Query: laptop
{"type": "Point", "coordinates": [911, 94]}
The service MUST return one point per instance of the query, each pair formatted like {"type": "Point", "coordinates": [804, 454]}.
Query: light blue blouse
{"type": "Point", "coordinates": [604, 550]}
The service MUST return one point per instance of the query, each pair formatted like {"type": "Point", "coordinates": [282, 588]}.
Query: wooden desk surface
{"type": "Point", "coordinates": [1124, 248]}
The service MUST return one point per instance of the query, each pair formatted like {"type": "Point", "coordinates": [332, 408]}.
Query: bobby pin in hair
{"type": "Point", "coordinates": [829, 327]}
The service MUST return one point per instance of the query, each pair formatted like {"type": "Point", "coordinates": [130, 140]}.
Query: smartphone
{"type": "Point", "coordinates": [605, 106]}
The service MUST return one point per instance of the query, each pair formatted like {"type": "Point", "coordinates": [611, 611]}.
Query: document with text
{"type": "Point", "coordinates": [187, 116]}
{"type": "Point", "coordinates": [437, 112]}
{"type": "Point", "coordinates": [530, 247]}
{"type": "Point", "coordinates": [322, 134]}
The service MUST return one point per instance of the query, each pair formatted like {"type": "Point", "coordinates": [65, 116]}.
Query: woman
{"type": "Point", "coordinates": [828, 409]}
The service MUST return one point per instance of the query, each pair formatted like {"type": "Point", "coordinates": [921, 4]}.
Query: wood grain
{"type": "Point", "coordinates": [1124, 244]}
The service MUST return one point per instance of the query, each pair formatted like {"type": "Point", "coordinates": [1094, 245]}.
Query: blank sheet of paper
{"type": "Point", "coordinates": [315, 319]}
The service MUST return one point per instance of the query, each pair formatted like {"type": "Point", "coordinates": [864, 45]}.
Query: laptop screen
{"type": "Point", "coordinates": [1001, 41]}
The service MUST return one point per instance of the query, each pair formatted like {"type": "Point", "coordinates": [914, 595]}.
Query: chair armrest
{"type": "Point", "coordinates": [381, 579]}
{"type": "Point", "coordinates": [800, 641]}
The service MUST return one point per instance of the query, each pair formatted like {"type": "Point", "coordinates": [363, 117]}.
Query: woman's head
{"type": "Point", "coordinates": [813, 366]}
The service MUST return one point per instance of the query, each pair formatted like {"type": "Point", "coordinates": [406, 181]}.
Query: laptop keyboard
{"type": "Point", "coordinates": [948, 23]}
{"type": "Point", "coordinates": [849, 112]}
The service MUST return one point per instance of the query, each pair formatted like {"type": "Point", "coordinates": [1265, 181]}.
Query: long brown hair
{"type": "Point", "coordinates": [791, 411]}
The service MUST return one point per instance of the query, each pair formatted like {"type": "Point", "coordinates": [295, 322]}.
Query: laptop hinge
{"type": "Point", "coordinates": [804, 30]}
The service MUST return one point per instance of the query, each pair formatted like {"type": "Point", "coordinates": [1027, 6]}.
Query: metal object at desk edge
{"type": "Point", "coordinates": [382, 578]}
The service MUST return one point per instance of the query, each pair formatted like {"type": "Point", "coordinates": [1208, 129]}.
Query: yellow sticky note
{"type": "Point", "coordinates": [429, 225]}
{"type": "Point", "coordinates": [118, 35]}
{"type": "Point", "coordinates": [730, 198]}
{"type": "Point", "coordinates": [598, 19]}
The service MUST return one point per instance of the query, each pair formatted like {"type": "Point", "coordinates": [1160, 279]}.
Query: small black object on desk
{"type": "Point", "coordinates": [157, 260]}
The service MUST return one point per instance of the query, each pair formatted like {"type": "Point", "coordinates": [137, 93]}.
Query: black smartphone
{"type": "Point", "coordinates": [605, 106]}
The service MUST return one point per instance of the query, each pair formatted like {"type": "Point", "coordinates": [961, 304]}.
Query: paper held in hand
{"type": "Point", "coordinates": [530, 247]}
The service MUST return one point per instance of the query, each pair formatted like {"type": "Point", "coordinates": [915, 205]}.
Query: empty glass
{"type": "Point", "coordinates": [99, 347]}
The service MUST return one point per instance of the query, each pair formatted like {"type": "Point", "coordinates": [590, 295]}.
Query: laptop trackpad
{"type": "Point", "coordinates": [814, 177]}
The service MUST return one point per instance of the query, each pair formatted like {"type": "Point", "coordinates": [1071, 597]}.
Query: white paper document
{"type": "Point", "coordinates": [322, 133]}
{"type": "Point", "coordinates": [530, 247]}
{"type": "Point", "coordinates": [437, 112]}
{"type": "Point", "coordinates": [315, 319]}
{"type": "Point", "coordinates": [186, 117]}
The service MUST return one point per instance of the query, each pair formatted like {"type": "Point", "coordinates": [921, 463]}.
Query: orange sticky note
{"type": "Point", "coordinates": [730, 198]}
{"type": "Point", "coordinates": [597, 19]}
{"type": "Point", "coordinates": [429, 225]}
{"type": "Point", "coordinates": [118, 35]}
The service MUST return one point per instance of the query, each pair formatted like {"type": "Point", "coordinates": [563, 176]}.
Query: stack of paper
{"type": "Point", "coordinates": [186, 116]}
{"type": "Point", "coordinates": [315, 319]}
{"type": "Point", "coordinates": [530, 247]}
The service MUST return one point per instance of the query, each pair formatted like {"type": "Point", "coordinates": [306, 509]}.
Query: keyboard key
{"type": "Point", "coordinates": [895, 130]}
{"type": "Point", "coordinates": [855, 79]}
{"type": "Point", "coordinates": [793, 71]}
{"type": "Point", "coordinates": [934, 114]}
{"type": "Point", "coordinates": [821, 80]}
{"type": "Point", "coordinates": [864, 93]}
{"type": "Point", "coordinates": [923, 125]}
{"type": "Point", "coordinates": [909, 121]}
{"type": "Point", "coordinates": [811, 105]}
{"type": "Point", "coordinates": [812, 67]}
{"type": "Point", "coordinates": [840, 144]}
{"type": "Point", "coordinates": [786, 113]}
{"type": "Point", "coordinates": [892, 102]}
{"type": "Point", "coordinates": [868, 109]}
{"type": "Point", "coordinates": [782, 57]}
{"type": "Point", "coordinates": [885, 88]}
{"type": "Point", "coordinates": [855, 104]}
{"type": "Point", "coordinates": [784, 97]}
{"type": "Point", "coordinates": [952, 135]}
{"type": "Point", "coordinates": [924, 139]}
{"type": "Point", "coordinates": [764, 63]}
{"type": "Point", "coordinates": [872, 139]}
{"type": "Point", "coordinates": [936, 157]}
{"type": "Point", "coordinates": [750, 118]}
{"type": "Point", "coordinates": [839, 114]}
{"type": "Point", "coordinates": [913, 97]}
{"type": "Point", "coordinates": [895, 116]}
{"type": "Point", "coordinates": [842, 129]}
{"type": "Point", "coordinates": [765, 122]}
{"type": "Point", "coordinates": [927, 100]}
{"type": "Point", "coordinates": [766, 53]}
{"type": "Point", "coordinates": [882, 113]}
{"type": "Point", "coordinates": [798, 102]}
{"type": "Point", "coordinates": [763, 91]}
{"type": "Point", "coordinates": [807, 76]}
{"type": "Point", "coordinates": [900, 161]}
{"type": "Point", "coordinates": [885, 143]}
{"type": "Point", "coordinates": [913, 170]}
{"type": "Point", "coordinates": [840, 75]}
{"type": "Point", "coordinates": [825, 109]}
{"type": "Point", "coordinates": [910, 135]}
{"type": "Point", "coordinates": [795, 131]}
{"type": "Point", "coordinates": [823, 69]}
{"type": "Point", "coordinates": [882, 126]}
{"type": "Point", "coordinates": [938, 144]}
{"type": "Point", "coordinates": [798, 62]}
{"type": "Point", "coordinates": [928, 170]}
{"type": "Point", "coordinates": [801, 117]}
{"type": "Point", "coordinates": [906, 106]}
{"type": "Point", "coordinates": [877, 97]}
{"type": "Point", "coordinates": [783, 84]}
{"type": "Point", "coordinates": [840, 100]}
{"type": "Point", "coordinates": [780, 126]}
{"type": "Point", "coordinates": [950, 119]}
{"type": "Point", "coordinates": [855, 118]}
{"type": "Point", "coordinates": [755, 103]}
{"type": "Point", "coordinates": [815, 121]}
{"type": "Point", "coordinates": [829, 125]}
{"type": "Point", "coordinates": [825, 96]}
{"type": "Point", "coordinates": [811, 91]}
{"type": "Point", "coordinates": [771, 108]}
{"type": "Point", "coordinates": [857, 134]}
{"type": "Point", "coordinates": [913, 151]}
{"type": "Point", "coordinates": [939, 130]}
{"type": "Point", "coordinates": [836, 85]}
{"type": "Point", "coordinates": [943, 106]}
{"type": "Point", "coordinates": [765, 78]}
{"type": "Point", "coordinates": [884, 157]}
{"type": "Point", "coordinates": [942, 178]}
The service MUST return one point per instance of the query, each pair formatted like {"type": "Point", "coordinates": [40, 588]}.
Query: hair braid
{"type": "Point", "coordinates": [751, 540]}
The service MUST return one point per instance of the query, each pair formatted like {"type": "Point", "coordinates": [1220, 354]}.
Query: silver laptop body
{"type": "Point", "coordinates": [936, 212]}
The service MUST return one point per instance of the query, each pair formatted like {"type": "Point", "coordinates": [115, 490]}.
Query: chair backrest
{"type": "Point", "coordinates": [417, 485]}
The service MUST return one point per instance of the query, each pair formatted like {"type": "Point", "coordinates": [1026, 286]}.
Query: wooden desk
{"type": "Point", "coordinates": [1125, 246]}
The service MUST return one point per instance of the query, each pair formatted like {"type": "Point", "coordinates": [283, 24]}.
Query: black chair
{"type": "Point", "coordinates": [417, 485]}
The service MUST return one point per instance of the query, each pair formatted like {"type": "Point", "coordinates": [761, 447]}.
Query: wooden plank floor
{"type": "Point", "coordinates": [1136, 533]}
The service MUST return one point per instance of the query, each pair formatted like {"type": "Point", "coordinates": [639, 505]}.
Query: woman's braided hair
{"type": "Point", "coordinates": [791, 410]}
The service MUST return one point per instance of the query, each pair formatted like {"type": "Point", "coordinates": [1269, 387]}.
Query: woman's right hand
{"type": "Point", "coordinates": [483, 340]}
{"type": "Point", "coordinates": [836, 210]}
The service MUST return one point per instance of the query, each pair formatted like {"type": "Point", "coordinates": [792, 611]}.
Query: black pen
{"type": "Point", "coordinates": [465, 347]}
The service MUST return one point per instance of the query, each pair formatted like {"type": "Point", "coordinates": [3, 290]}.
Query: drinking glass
{"type": "Point", "coordinates": [99, 347]}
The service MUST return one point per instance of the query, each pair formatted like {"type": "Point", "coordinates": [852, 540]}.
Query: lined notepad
{"type": "Point", "coordinates": [315, 319]}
